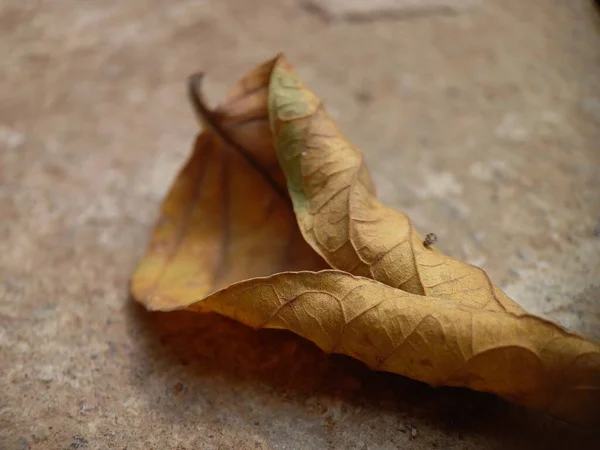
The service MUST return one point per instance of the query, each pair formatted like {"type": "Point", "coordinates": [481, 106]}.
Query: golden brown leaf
{"type": "Point", "coordinates": [340, 216]}
{"type": "Point", "coordinates": [227, 217]}
{"type": "Point", "coordinates": [524, 359]}
{"type": "Point", "coordinates": [412, 311]}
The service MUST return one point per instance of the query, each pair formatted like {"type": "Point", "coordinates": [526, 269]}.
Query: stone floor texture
{"type": "Point", "coordinates": [480, 119]}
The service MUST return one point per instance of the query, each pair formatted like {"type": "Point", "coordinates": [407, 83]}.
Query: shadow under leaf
{"type": "Point", "coordinates": [224, 362]}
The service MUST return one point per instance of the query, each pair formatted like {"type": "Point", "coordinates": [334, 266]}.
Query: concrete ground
{"type": "Point", "coordinates": [483, 123]}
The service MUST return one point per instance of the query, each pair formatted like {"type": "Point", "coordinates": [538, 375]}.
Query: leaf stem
{"type": "Point", "coordinates": [207, 119]}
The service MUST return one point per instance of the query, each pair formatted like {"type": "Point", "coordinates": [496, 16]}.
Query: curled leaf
{"type": "Point", "coordinates": [229, 242]}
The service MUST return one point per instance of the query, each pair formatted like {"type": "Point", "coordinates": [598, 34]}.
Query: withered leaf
{"type": "Point", "coordinates": [228, 242]}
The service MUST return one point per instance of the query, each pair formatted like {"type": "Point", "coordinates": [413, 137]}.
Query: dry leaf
{"type": "Point", "coordinates": [523, 358]}
{"type": "Point", "coordinates": [412, 311]}
{"type": "Point", "coordinates": [227, 217]}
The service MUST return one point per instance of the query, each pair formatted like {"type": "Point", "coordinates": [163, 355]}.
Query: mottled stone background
{"type": "Point", "coordinates": [482, 121]}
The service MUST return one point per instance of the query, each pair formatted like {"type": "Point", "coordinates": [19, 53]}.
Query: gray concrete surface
{"type": "Point", "coordinates": [484, 125]}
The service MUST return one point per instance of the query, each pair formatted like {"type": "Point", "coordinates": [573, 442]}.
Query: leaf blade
{"type": "Point", "coordinates": [524, 359]}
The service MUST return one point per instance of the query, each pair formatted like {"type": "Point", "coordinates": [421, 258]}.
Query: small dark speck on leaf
{"type": "Point", "coordinates": [178, 387]}
{"type": "Point", "coordinates": [430, 239]}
